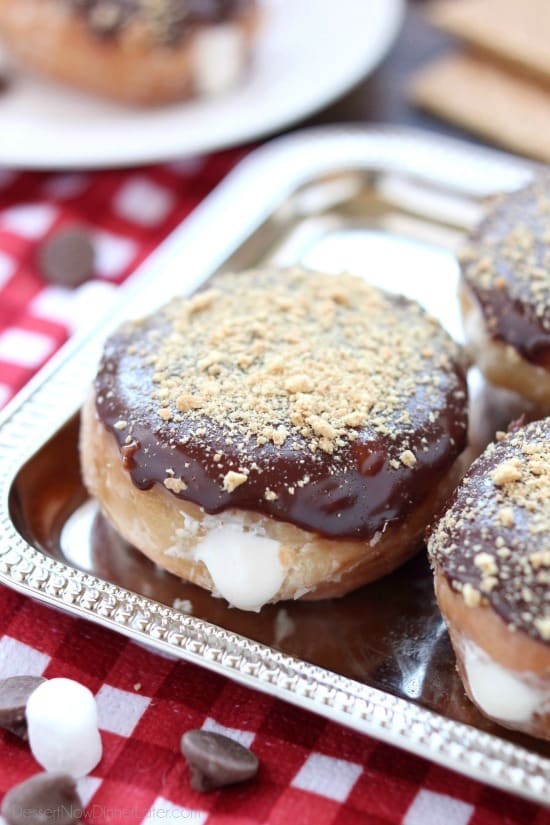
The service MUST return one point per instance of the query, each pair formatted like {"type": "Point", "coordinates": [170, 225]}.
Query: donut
{"type": "Point", "coordinates": [282, 434]}
{"type": "Point", "coordinates": [494, 410]}
{"type": "Point", "coordinates": [491, 559]}
{"type": "Point", "coordinates": [134, 51]}
{"type": "Point", "coordinates": [505, 293]}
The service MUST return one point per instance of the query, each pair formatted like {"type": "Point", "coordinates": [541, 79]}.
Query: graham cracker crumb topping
{"type": "Point", "coordinates": [175, 485]}
{"type": "Point", "coordinates": [232, 480]}
{"type": "Point", "coordinates": [408, 458]}
{"type": "Point", "coordinates": [471, 596]}
{"type": "Point", "coordinates": [507, 472]}
{"type": "Point", "coordinates": [286, 357]}
{"type": "Point", "coordinates": [494, 536]}
{"type": "Point", "coordinates": [273, 382]}
{"type": "Point", "coordinates": [543, 627]}
{"type": "Point", "coordinates": [508, 258]}
{"type": "Point", "coordinates": [160, 23]}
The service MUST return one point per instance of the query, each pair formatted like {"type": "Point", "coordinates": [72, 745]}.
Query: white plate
{"type": "Point", "coordinates": [310, 52]}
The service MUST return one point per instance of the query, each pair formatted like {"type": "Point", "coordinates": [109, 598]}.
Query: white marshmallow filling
{"type": "Point", "coordinates": [244, 564]}
{"type": "Point", "coordinates": [510, 696]}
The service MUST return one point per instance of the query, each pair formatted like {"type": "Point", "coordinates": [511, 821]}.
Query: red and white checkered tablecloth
{"type": "Point", "coordinates": [312, 771]}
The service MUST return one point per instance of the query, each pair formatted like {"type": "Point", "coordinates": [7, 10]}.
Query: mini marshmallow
{"type": "Point", "coordinates": [219, 55]}
{"type": "Point", "coordinates": [63, 727]}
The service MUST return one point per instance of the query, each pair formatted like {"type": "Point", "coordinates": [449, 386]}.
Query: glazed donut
{"type": "Point", "coordinates": [505, 293]}
{"type": "Point", "coordinates": [491, 560]}
{"type": "Point", "coordinates": [134, 51]}
{"type": "Point", "coordinates": [494, 410]}
{"type": "Point", "coordinates": [284, 434]}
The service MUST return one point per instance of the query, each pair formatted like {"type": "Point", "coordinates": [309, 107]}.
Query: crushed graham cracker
{"type": "Point", "coordinates": [493, 540]}
{"type": "Point", "coordinates": [269, 381]}
{"type": "Point", "coordinates": [471, 596]}
{"type": "Point", "coordinates": [506, 516]}
{"type": "Point", "coordinates": [232, 480]}
{"type": "Point", "coordinates": [153, 22]}
{"type": "Point", "coordinates": [506, 263]}
{"type": "Point", "coordinates": [175, 485]}
{"type": "Point", "coordinates": [320, 384]}
{"type": "Point", "coordinates": [408, 458]}
{"type": "Point", "coordinates": [507, 472]}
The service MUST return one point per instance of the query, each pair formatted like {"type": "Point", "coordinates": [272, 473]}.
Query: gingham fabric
{"type": "Point", "coordinates": [312, 771]}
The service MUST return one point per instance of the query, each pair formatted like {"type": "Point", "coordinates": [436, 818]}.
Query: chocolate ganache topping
{"type": "Point", "coordinates": [506, 265]}
{"type": "Point", "coordinates": [492, 543]}
{"type": "Point", "coordinates": [165, 21]}
{"type": "Point", "coordinates": [319, 400]}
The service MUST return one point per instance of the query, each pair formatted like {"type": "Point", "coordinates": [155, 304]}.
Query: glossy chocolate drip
{"type": "Point", "coordinates": [514, 323]}
{"type": "Point", "coordinates": [494, 536]}
{"type": "Point", "coordinates": [354, 492]}
{"type": "Point", "coordinates": [166, 21]}
{"type": "Point", "coordinates": [507, 267]}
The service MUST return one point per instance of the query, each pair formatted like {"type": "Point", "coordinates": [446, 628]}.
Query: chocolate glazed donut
{"type": "Point", "coordinates": [505, 293]}
{"type": "Point", "coordinates": [134, 51]}
{"type": "Point", "coordinates": [317, 415]}
{"type": "Point", "coordinates": [491, 559]}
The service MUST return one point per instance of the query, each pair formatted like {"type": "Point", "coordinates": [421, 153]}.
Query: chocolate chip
{"type": "Point", "coordinates": [14, 694]}
{"type": "Point", "coordinates": [45, 799]}
{"type": "Point", "coordinates": [216, 760]}
{"type": "Point", "coordinates": [67, 257]}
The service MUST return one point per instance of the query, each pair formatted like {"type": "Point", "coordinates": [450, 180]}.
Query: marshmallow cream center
{"type": "Point", "coordinates": [501, 693]}
{"type": "Point", "coordinates": [219, 56]}
{"type": "Point", "coordinates": [245, 567]}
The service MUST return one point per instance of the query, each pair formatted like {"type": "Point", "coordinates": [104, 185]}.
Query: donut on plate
{"type": "Point", "coordinates": [283, 434]}
{"type": "Point", "coordinates": [134, 51]}
{"type": "Point", "coordinates": [491, 558]}
{"type": "Point", "coordinates": [505, 293]}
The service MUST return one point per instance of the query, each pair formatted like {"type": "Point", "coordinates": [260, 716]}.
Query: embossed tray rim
{"type": "Point", "coordinates": [259, 184]}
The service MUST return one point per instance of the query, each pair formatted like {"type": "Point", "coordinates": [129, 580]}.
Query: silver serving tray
{"type": "Point", "coordinates": [391, 205]}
